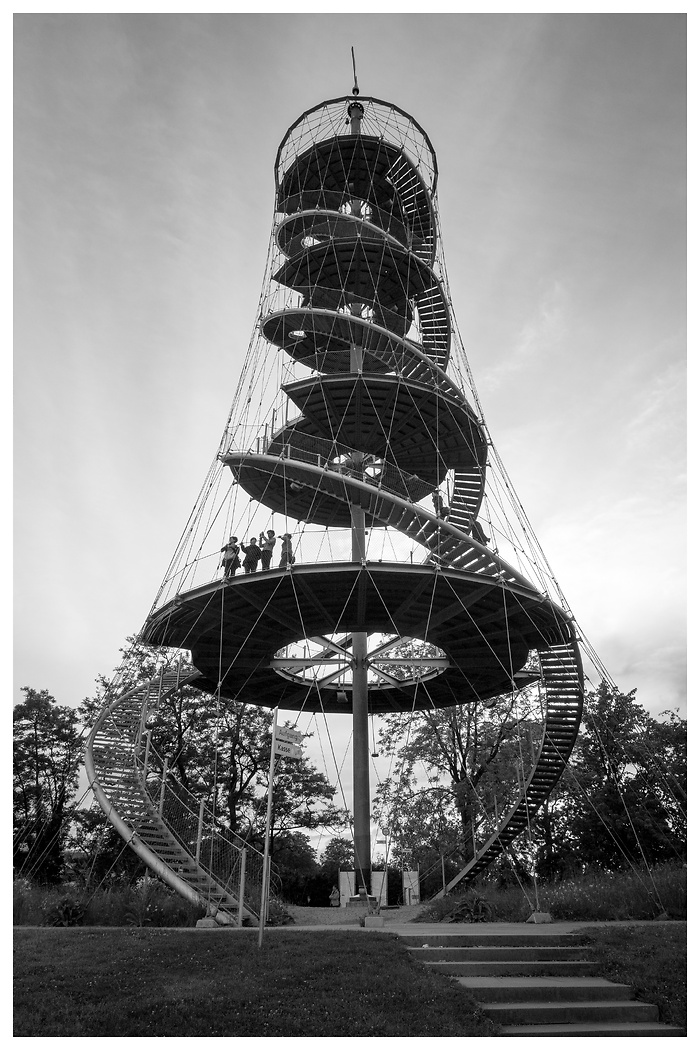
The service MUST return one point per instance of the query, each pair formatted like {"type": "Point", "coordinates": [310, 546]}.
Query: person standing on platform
{"type": "Point", "coordinates": [286, 557]}
{"type": "Point", "coordinates": [252, 555]}
{"type": "Point", "coordinates": [266, 545]}
{"type": "Point", "coordinates": [230, 561]}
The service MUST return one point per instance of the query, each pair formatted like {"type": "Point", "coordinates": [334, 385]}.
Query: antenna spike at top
{"type": "Point", "coordinates": [355, 90]}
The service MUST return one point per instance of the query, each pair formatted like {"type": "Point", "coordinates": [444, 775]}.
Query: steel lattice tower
{"type": "Point", "coordinates": [356, 421]}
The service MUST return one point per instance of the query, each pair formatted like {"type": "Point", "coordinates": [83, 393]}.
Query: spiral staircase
{"type": "Point", "coordinates": [381, 437]}
{"type": "Point", "coordinates": [179, 839]}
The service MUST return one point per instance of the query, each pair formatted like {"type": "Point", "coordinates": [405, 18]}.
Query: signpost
{"type": "Point", "coordinates": [286, 743]}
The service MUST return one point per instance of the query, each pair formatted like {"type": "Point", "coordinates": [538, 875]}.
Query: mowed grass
{"type": "Point", "coordinates": [139, 982]}
{"type": "Point", "coordinates": [650, 958]}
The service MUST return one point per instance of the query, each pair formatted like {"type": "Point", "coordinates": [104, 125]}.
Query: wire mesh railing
{"type": "Point", "coordinates": [216, 849]}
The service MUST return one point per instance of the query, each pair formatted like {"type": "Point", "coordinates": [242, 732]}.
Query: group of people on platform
{"type": "Point", "coordinates": [258, 552]}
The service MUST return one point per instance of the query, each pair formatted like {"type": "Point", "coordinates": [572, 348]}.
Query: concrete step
{"type": "Point", "coordinates": [570, 1012]}
{"type": "Point", "coordinates": [475, 938]}
{"type": "Point", "coordinates": [534, 984]}
{"type": "Point", "coordinates": [543, 989]}
{"type": "Point", "coordinates": [592, 1030]}
{"type": "Point", "coordinates": [568, 967]}
{"type": "Point", "coordinates": [491, 953]}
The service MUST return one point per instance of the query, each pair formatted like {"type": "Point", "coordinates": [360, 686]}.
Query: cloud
{"type": "Point", "coordinates": [659, 410]}
{"type": "Point", "coordinates": [539, 335]}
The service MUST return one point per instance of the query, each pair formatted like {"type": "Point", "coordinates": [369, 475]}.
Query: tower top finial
{"type": "Point", "coordinates": [355, 90]}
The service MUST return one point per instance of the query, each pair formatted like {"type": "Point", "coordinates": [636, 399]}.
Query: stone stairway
{"type": "Point", "coordinates": [538, 984]}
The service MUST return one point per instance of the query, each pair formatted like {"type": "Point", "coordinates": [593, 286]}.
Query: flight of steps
{"type": "Point", "coordinates": [538, 985]}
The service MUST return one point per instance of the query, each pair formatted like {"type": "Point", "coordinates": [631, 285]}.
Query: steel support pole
{"type": "Point", "coordinates": [241, 886]}
{"type": "Point", "coordinates": [200, 827]}
{"type": "Point", "coordinates": [265, 888]}
{"type": "Point", "coordinates": [360, 730]}
{"type": "Point", "coordinates": [360, 763]}
{"type": "Point", "coordinates": [146, 754]}
{"type": "Point", "coordinates": [161, 801]}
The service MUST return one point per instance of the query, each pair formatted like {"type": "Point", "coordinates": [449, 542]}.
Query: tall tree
{"type": "Point", "coordinates": [452, 768]}
{"type": "Point", "coordinates": [621, 799]}
{"type": "Point", "coordinates": [97, 852]}
{"type": "Point", "coordinates": [47, 750]}
{"type": "Point", "coordinates": [339, 853]}
{"type": "Point", "coordinates": [302, 798]}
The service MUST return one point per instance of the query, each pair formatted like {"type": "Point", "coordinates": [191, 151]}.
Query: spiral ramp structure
{"type": "Point", "coordinates": [353, 426]}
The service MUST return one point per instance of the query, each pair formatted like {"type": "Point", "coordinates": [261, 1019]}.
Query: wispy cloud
{"type": "Point", "coordinates": [542, 331]}
{"type": "Point", "coordinates": [660, 409]}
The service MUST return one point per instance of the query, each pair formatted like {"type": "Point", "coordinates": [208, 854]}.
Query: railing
{"type": "Point", "coordinates": [215, 847]}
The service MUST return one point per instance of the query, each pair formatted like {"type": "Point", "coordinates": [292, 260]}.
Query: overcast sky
{"type": "Point", "coordinates": [144, 152]}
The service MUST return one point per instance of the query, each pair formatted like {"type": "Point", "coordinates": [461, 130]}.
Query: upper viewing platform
{"type": "Point", "coordinates": [373, 119]}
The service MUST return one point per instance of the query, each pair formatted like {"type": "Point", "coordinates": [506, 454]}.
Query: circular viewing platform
{"type": "Point", "coordinates": [485, 627]}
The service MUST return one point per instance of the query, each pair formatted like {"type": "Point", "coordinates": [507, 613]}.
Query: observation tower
{"type": "Point", "coordinates": [405, 575]}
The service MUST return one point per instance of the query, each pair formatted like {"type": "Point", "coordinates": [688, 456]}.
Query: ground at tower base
{"type": "Point", "coordinates": [321, 980]}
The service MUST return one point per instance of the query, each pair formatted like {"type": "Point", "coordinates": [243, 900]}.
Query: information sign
{"type": "Point", "coordinates": [290, 736]}
{"type": "Point", "coordinates": [285, 750]}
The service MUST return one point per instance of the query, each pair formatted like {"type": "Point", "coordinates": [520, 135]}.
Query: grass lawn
{"type": "Point", "coordinates": [159, 982]}
{"type": "Point", "coordinates": [650, 958]}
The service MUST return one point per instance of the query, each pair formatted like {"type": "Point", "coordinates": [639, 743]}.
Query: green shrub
{"type": "Point", "coordinates": [27, 903]}
{"type": "Point", "coordinates": [108, 906]}
{"type": "Point", "coordinates": [482, 903]}
{"type": "Point", "coordinates": [277, 914]}
{"type": "Point", "coordinates": [601, 896]}
{"type": "Point", "coordinates": [147, 903]}
{"type": "Point", "coordinates": [63, 910]}
{"type": "Point", "coordinates": [594, 897]}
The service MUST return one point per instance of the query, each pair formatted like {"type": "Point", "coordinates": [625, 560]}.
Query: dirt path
{"type": "Point", "coordinates": [347, 916]}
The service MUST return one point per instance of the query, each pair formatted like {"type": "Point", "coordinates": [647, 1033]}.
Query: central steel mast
{"type": "Point", "coordinates": [360, 696]}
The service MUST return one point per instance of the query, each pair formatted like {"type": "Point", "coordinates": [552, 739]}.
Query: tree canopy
{"type": "Point", "coordinates": [622, 798]}
{"type": "Point", "coordinates": [452, 768]}
{"type": "Point", "coordinates": [47, 750]}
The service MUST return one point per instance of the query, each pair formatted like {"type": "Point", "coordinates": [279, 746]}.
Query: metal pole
{"type": "Point", "coordinates": [162, 787]}
{"type": "Point", "coordinates": [268, 821]}
{"type": "Point", "coordinates": [442, 858]}
{"type": "Point", "coordinates": [241, 886]}
{"type": "Point", "coordinates": [360, 729]}
{"type": "Point", "coordinates": [200, 825]}
{"type": "Point", "coordinates": [142, 719]}
{"type": "Point", "coordinates": [146, 755]}
{"type": "Point", "coordinates": [360, 763]}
